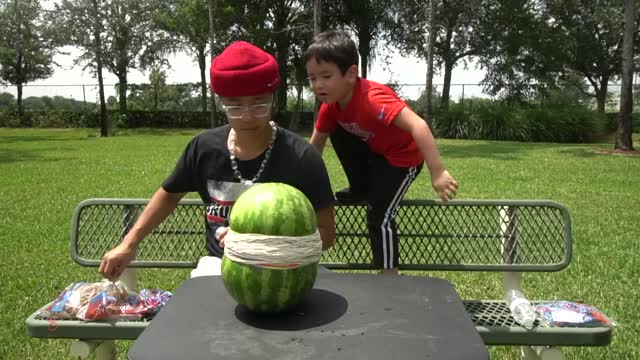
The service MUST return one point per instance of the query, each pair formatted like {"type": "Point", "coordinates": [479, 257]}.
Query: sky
{"type": "Point", "coordinates": [67, 80]}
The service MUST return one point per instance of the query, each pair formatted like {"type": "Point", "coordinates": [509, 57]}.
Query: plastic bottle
{"type": "Point", "coordinates": [521, 309]}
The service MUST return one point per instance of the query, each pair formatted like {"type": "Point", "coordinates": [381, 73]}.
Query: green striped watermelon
{"type": "Point", "coordinates": [270, 209]}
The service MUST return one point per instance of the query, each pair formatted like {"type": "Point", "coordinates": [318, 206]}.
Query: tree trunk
{"type": "Point", "coordinates": [155, 96]}
{"type": "Point", "coordinates": [364, 57]}
{"type": "Point", "coordinates": [203, 78]}
{"type": "Point", "coordinates": [431, 49]}
{"type": "Point", "coordinates": [104, 121]}
{"type": "Point", "coordinates": [212, 114]}
{"type": "Point", "coordinates": [364, 65]}
{"type": "Point", "coordinates": [601, 94]}
{"type": "Point", "coordinates": [446, 86]}
{"type": "Point", "coordinates": [317, 16]}
{"type": "Point", "coordinates": [122, 91]}
{"type": "Point", "coordinates": [21, 118]}
{"type": "Point", "coordinates": [624, 140]}
{"type": "Point", "coordinates": [295, 118]}
{"type": "Point", "coordinates": [281, 93]}
{"type": "Point", "coordinates": [364, 47]}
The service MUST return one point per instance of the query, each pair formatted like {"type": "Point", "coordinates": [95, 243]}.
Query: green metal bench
{"type": "Point", "coordinates": [511, 237]}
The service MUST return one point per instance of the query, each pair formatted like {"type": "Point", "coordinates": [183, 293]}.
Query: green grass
{"type": "Point", "coordinates": [45, 173]}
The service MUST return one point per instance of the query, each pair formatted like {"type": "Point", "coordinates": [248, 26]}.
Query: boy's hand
{"type": "Point", "coordinates": [221, 232]}
{"type": "Point", "coordinates": [445, 185]}
{"type": "Point", "coordinates": [116, 260]}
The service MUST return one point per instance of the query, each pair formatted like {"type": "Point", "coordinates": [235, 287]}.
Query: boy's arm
{"type": "Point", "coordinates": [326, 226]}
{"type": "Point", "coordinates": [443, 183]}
{"type": "Point", "coordinates": [159, 207]}
{"type": "Point", "coordinates": [318, 139]}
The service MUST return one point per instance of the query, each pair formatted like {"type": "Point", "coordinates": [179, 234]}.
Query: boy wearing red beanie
{"type": "Point", "coordinates": [380, 142]}
{"type": "Point", "coordinates": [222, 163]}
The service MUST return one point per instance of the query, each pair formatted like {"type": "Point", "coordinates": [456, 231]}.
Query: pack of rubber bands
{"type": "Point", "coordinates": [105, 300]}
{"type": "Point", "coordinates": [570, 314]}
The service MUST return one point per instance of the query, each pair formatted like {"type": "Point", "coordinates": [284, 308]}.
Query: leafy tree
{"type": "Point", "coordinates": [298, 78]}
{"type": "Point", "coordinates": [7, 100]}
{"type": "Point", "coordinates": [53, 103]}
{"type": "Point", "coordinates": [159, 96]}
{"type": "Point", "coordinates": [186, 22]}
{"type": "Point", "coordinates": [275, 25]}
{"type": "Point", "coordinates": [367, 19]}
{"type": "Point", "coordinates": [458, 32]}
{"type": "Point", "coordinates": [81, 23]}
{"type": "Point", "coordinates": [127, 34]}
{"type": "Point", "coordinates": [594, 37]}
{"type": "Point", "coordinates": [521, 52]}
{"type": "Point", "coordinates": [26, 48]}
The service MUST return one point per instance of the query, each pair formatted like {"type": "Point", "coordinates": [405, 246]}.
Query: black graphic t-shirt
{"type": "Point", "coordinates": [205, 167]}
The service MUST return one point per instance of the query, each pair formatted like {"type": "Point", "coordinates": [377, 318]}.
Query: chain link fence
{"type": "Point", "coordinates": [187, 97]}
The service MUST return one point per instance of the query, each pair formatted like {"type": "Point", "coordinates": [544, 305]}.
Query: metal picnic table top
{"type": "Point", "coordinates": [345, 316]}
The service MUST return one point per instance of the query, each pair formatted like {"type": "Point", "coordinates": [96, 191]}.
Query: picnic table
{"type": "Point", "coordinates": [511, 237]}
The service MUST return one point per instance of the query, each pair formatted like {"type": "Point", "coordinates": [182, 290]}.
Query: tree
{"type": "Point", "coordinates": [97, 30]}
{"type": "Point", "coordinates": [212, 41]}
{"type": "Point", "coordinates": [187, 22]}
{"type": "Point", "coordinates": [80, 23]}
{"type": "Point", "coordinates": [126, 36]}
{"type": "Point", "coordinates": [158, 80]}
{"type": "Point", "coordinates": [367, 19]}
{"type": "Point", "coordinates": [188, 26]}
{"type": "Point", "coordinates": [7, 100]}
{"type": "Point", "coordinates": [297, 77]}
{"type": "Point", "coordinates": [26, 47]}
{"type": "Point", "coordinates": [317, 29]}
{"type": "Point", "coordinates": [458, 34]}
{"type": "Point", "coordinates": [275, 25]}
{"type": "Point", "coordinates": [624, 140]}
{"type": "Point", "coordinates": [595, 37]}
{"type": "Point", "coordinates": [130, 33]}
{"type": "Point", "coordinates": [522, 54]}
{"type": "Point", "coordinates": [431, 30]}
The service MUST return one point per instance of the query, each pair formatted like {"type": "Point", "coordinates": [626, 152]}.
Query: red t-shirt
{"type": "Point", "coordinates": [369, 115]}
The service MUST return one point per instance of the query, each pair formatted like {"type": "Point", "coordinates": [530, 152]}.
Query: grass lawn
{"type": "Point", "coordinates": [45, 173]}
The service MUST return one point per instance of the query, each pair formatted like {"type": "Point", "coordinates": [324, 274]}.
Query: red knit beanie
{"type": "Point", "coordinates": [244, 70]}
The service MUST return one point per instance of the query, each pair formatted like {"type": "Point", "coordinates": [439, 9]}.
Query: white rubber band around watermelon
{"type": "Point", "coordinates": [273, 251]}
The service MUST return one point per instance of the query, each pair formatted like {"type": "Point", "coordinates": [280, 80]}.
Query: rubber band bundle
{"type": "Point", "coordinates": [570, 314]}
{"type": "Point", "coordinates": [105, 300]}
{"type": "Point", "coordinates": [273, 251]}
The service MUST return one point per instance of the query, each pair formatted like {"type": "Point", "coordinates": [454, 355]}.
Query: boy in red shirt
{"type": "Point", "coordinates": [380, 142]}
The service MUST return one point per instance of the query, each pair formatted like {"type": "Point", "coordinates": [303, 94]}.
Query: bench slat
{"type": "Point", "coordinates": [492, 320]}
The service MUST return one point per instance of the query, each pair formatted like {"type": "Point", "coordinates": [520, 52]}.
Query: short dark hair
{"type": "Point", "coordinates": [333, 46]}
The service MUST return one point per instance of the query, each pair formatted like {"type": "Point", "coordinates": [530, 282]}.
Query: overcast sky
{"type": "Point", "coordinates": [67, 81]}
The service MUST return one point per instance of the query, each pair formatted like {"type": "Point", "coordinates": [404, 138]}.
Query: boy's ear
{"type": "Point", "coordinates": [352, 72]}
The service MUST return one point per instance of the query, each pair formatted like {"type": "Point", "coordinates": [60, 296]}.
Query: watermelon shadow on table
{"type": "Point", "coordinates": [319, 307]}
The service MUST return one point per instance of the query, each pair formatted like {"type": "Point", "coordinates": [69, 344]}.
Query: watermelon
{"type": "Point", "coordinates": [270, 209]}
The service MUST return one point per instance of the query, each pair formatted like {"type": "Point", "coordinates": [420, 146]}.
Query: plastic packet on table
{"type": "Point", "coordinates": [566, 313]}
{"type": "Point", "coordinates": [105, 300]}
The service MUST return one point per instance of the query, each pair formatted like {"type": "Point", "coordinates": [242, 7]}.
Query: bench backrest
{"type": "Point", "coordinates": [488, 235]}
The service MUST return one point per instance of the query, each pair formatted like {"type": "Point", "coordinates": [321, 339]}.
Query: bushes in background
{"type": "Point", "coordinates": [480, 119]}
{"type": "Point", "coordinates": [495, 120]}
{"type": "Point", "coordinates": [135, 119]}
{"type": "Point", "coordinates": [50, 118]}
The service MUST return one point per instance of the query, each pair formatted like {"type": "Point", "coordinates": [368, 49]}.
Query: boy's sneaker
{"type": "Point", "coordinates": [345, 195]}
